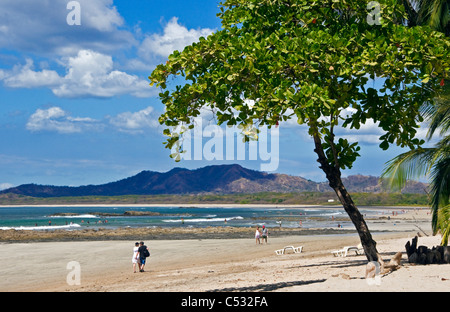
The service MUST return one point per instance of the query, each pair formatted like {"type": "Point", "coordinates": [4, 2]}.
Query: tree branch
{"type": "Point", "coordinates": [331, 142]}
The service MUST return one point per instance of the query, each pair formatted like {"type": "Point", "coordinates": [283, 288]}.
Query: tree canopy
{"type": "Point", "coordinates": [312, 61]}
{"type": "Point", "coordinates": [307, 60]}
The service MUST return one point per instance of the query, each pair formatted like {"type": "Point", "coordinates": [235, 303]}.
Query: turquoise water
{"type": "Point", "coordinates": [39, 218]}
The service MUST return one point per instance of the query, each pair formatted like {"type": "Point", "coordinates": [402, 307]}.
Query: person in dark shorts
{"type": "Point", "coordinates": [143, 254]}
{"type": "Point", "coordinates": [265, 234]}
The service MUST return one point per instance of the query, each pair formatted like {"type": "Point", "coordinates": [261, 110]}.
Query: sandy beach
{"type": "Point", "coordinates": [229, 264]}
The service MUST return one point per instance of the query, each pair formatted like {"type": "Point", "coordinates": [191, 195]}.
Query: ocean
{"type": "Point", "coordinates": [50, 218]}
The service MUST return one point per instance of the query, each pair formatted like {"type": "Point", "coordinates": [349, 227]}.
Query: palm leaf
{"type": "Point", "coordinates": [433, 13]}
{"type": "Point", "coordinates": [444, 224]}
{"type": "Point", "coordinates": [410, 165]}
{"type": "Point", "coordinates": [440, 187]}
{"type": "Point", "coordinates": [434, 162]}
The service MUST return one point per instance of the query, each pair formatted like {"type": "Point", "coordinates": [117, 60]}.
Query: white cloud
{"type": "Point", "coordinates": [41, 26]}
{"type": "Point", "coordinates": [135, 122]}
{"type": "Point", "coordinates": [4, 186]}
{"type": "Point", "coordinates": [25, 76]}
{"type": "Point", "coordinates": [56, 119]}
{"type": "Point", "coordinates": [3, 74]}
{"type": "Point", "coordinates": [175, 37]}
{"type": "Point", "coordinates": [88, 73]}
{"type": "Point", "coordinates": [100, 15]}
{"type": "Point", "coordinates": [92, 74]}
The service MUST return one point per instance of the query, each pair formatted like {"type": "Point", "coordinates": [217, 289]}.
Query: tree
{"type": "Point", "coordinates": [433, 162]}
{"type": "Point", "coordinates": [309, 60]}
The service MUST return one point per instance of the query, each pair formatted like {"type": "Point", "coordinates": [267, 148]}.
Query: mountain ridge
{"type": "Point", "coordinates": [223, 179]}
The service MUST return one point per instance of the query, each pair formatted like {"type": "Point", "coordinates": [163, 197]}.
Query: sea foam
{"type": "Point", "coordinates": [47, 227]}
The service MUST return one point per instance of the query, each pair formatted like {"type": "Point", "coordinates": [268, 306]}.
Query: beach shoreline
{"type": "Point", "coordinates": [217, 265]}
{"type": "Point", "coordinates": [159, 233]}
{"type": "Point", "coordinates": [389, 220]}
{"type": "Point", "coordinates": [206, 263]}
{"type": "Point", "coordinates": [281, 206]}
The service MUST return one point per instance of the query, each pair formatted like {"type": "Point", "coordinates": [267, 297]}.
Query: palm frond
{"type": "Point", "coordinates": [439, 15]}
{"type": "Point", "coordinates": [444, 224]}
{"type": "Point", "coordinates": [433, 13]}
{"type": "Point", "coordinates": [438, 113]}
{"type": "Point", "coordinates": [410, 165]}
{"type": "Point", "coordinates": [440, 190]}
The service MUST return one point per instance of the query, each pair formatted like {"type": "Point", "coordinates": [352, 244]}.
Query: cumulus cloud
{"type": "Point", "coordinates": [55, 119]}
{"type": "Point", "coordinates": [174, 37]}
{"type": "Point", "coordinates": [92, 74]}
{"type": "Point", "coordinates": [41, 26]}
{"type": "Point", "coordinates": [26, 76]}
{"type": "Point", "coordinates": [135, 122]}
{"type": "Point", "coordinates": [78, 58]}
{"type": "Point", "coordinates": [88, 73]}
{"type": "Point", "coordinates": [101, 15]}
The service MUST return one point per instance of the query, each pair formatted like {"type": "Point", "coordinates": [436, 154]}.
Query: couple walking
{"type": "Point", "coordinates": [140, 254]}
{"type": "Point", "coordinates": [258, 234]}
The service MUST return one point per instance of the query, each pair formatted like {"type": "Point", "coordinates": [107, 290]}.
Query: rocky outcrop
{"type": "Point", "coordinates": [424, 255]}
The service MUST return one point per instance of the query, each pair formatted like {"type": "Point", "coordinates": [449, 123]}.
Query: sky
{"type": "Point", "coordinates": [76, 107]}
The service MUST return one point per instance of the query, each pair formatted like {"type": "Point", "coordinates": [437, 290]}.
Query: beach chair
{"type": "Point", "coordinates": [280, 252]}
{"type": "Point", "coordinates": [298, 249]}
{"type": "Point", "coordinates": [359, 250]}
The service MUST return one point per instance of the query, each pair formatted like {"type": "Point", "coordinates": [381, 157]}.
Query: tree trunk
{"type": "Point", "coordinates": [333, 175]}
{"type": "Point", "coordinates": [364, 234]}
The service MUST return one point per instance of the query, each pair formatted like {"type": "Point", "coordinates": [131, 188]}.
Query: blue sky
{"type": "Point", "coordinates": [76, 107]}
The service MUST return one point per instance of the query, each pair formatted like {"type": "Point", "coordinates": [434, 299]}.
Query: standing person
{"type": "Point", "coordinates": [265, 233]}
{"type": "Point", "coordinates": [135, 258]}
{"type": "Point", "coordinates": [257, 235]}
{"type": "Point", "coordinates": [143, 254]}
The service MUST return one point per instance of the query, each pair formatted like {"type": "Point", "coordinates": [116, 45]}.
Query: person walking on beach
{"type": "Point", "coordinates": [265, 233]}
{"type": "Point", "coordinates": [135, 258]}
{"type": "Point", "coordinates": [257, 235]}
{"type": "Point", "coordinates": [143, 254]}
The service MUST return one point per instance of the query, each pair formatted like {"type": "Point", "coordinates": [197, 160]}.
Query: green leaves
{"type": "Point", "coordinates": [312, 58]}
{"type": "Point", "coordinates": [341, 154]}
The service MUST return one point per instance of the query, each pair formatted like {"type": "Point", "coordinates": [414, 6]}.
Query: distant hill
{"type": "Point", "coordinates": [222, 179]}
{"type": "Point", "coordinates": [371, 184]}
